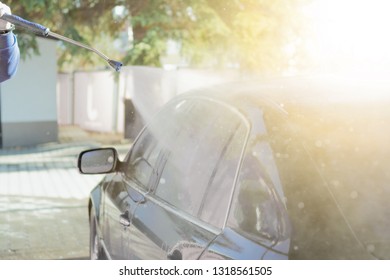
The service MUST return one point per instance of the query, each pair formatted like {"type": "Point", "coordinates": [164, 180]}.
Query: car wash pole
{"type": "Point", "coordinates": [42, 30]}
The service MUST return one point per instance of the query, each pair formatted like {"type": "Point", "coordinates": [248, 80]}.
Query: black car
{"type": "Point", "coordinates": [274, 170]}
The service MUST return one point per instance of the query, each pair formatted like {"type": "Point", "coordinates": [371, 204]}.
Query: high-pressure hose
{"type": "Point", "coordinates": [44, 31]}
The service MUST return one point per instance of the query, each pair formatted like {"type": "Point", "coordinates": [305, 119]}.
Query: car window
{"type": "Point", "coordinates": [255, 207]}
{"type": "Point", "coordinates": [219, 190]}
{"type": "Point", "coordinates": [199, 146]}
{"type": "Point", "coordinates": [143, 160]}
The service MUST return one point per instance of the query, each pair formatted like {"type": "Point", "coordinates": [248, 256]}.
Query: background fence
{"type": "Point", "coordinates": [105, 101]}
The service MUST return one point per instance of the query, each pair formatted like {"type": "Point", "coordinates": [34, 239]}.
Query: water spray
{"type": "Point", "coordinates": [44, 31]}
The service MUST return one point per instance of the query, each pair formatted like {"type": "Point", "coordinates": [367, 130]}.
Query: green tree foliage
{"type": "Point", "coordinates": [255, 35]}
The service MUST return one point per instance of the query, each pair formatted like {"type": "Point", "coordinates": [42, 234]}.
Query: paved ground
{"type": "Point", "coordinates": [43, 198]}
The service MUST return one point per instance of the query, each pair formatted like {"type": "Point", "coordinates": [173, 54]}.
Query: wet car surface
{"type": "Point", "coordinates": [276, 170]}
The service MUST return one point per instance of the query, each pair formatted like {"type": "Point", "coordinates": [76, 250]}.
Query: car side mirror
{"type": "Point", "coordinates": [98, 161]}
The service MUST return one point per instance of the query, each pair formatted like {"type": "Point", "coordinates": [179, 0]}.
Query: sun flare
{"type": "Point", "coordinates": [350, 33]}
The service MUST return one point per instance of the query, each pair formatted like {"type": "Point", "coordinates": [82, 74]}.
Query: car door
{"type": "Point", "coordinates": [170, 222]}
{"type": "Point", "coordinates": [116, 205]}
{"type": "Point", "coordinates": [127, 190]}
{"type": "Point", "coordinates": [130, 185]}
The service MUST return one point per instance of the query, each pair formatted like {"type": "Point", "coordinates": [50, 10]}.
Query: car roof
{"type": "Point", "coordinates": [300, 91]}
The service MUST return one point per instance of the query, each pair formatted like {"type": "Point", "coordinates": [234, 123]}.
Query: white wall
{"type": "Point", "coordinates": [28, 100]}
{"type": "Point", "coordinates": [95, 96]}
{"type": "Point", "coordinates": [31, 95]}
{"type": "Point", "coordinates": [65, 99]}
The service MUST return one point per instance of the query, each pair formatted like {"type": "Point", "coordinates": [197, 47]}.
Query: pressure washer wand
{"type": "Point", "coordinates": [42, 30]}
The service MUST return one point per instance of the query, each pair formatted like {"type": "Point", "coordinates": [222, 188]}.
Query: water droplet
{"type": "Point", "coordinates": [335, 183]}
{"type": "Point", "coordinates": [301, 205]}
{"type": "Point", "coordinates": [354, 194]}
{"type": "Point", "coordinates": [357, 149]}
{"type": "Point", "coordinates": [318, 143]}
{"type": "Point", "coordinates": [296, 248]}
{"type": "Point", "coordinates": [371, 248]}
{"type": "Point", "coordinates": [162, 181]}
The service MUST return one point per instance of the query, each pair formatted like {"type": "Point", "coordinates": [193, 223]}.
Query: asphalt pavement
{"type": "Point", "coordinates": [43, 198]}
